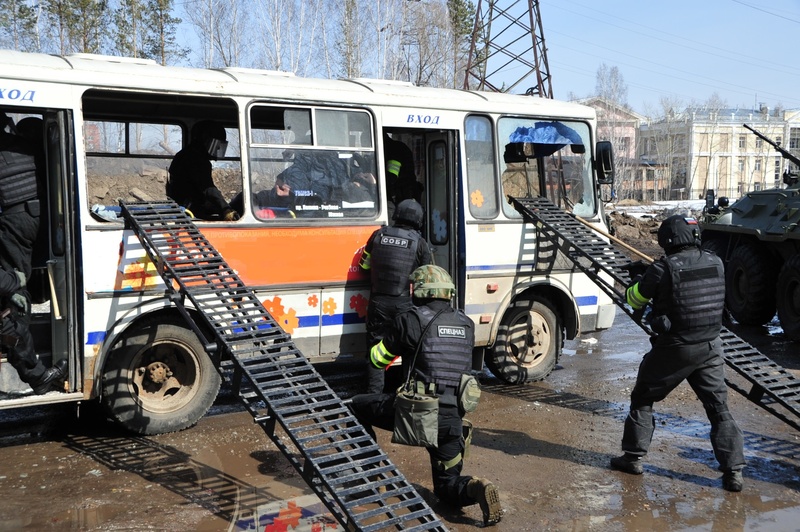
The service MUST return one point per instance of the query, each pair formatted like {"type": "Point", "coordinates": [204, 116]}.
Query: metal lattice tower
{"type": "Point", "coordinates": [508, 36]}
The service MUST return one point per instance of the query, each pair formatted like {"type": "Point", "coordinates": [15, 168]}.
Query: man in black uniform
{"type": "Point", "coordinates": [401, 181]}
{"type": "Point", "coordinates": [687, 289]}
{"type": "Point", "coordinates": [391, 254]}
{"type": "Point", "coordinates": [445, 337]}
{"type": "Point", "coordinates": [19, 227]}
{"type": "Point", "coordinates": [190, 183]}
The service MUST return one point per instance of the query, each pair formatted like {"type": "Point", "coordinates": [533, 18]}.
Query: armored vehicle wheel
{"type": "Point", "coordinates": [528, 342]}
{"type": "Point", "coordinates": [750, 286]}
{"type": "Point", "coordinates": [158, 379]}
{"type": "Point", "coordinates": [788, 297]}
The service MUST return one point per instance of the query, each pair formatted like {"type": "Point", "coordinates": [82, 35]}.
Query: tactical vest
{"type": "Point", "coordinates": [17, 171]}
{"type": "Point", "coordinates": [393, 258]}
{"type": "Point", "coordinates": [696, 298]}
{"type": "Point", "coordinates": [446, 351]}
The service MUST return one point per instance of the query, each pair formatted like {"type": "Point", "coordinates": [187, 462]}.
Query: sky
{"type": "Point", "coordinates": [746, 51]}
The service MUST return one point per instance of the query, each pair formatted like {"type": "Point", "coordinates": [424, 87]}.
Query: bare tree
{"type": "Point", "coordinates": [349, 45]}
{"type": "Point", "coordinates": [290, 33]}
{"type": "Point", "coordinates": [663, 145]}
{"type": "Point", "coordinates": [615, 123]}
{"type": "Point", "coordinates": [611, 86]}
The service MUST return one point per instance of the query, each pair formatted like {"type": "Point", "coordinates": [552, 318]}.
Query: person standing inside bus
{"type": "Point", "coordinates": [687, 289]}
{"type": "Point", "coordinates": [19, 227]}
{"type": "Point", "coordinates": [190, 182]}
{"type": "Point", "coordinates": [391, 254]}
{"type": "Point", "coordinates": [401, 181]}
{"type": "Point", "coordinates": [437, 340]}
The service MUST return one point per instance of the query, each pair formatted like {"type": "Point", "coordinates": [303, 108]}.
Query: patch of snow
{"type": "Point", "coordinates": [686, 207]}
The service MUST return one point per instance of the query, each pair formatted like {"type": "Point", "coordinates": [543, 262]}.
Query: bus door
{"type": "Point", "coordinates": [440, 199]}
{"type": "Point", "coordinates": [60, 222]}
{"type": "Point", "coordinates": [53, 319]}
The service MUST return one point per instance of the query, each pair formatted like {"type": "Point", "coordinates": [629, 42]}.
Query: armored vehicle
{"type": "Point", "coordinates": [758, 237]}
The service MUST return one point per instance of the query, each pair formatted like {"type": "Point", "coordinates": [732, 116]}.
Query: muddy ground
{"type": "Point", "coordinates": [546, 445]}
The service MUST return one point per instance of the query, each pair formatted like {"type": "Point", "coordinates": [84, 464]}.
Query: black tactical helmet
{"type": "Point", "coordinates": [211, 136]}
{"type": "Point", "coordinates": [410, 212]}
{"type": "Point", "coordinates": [678, 231]}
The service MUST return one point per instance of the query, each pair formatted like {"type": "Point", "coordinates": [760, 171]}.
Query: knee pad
{"type": "Point", "coordinates": [718, 412]}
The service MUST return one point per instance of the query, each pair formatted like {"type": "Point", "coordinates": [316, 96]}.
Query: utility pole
{"type": "Point", "coordinates": [508, 35]}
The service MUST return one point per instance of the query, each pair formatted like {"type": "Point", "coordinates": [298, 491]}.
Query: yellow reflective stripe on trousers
{"type": "Point", "coordinates": [635, 298]}
{"type": "Point", "coordinates": [380, 356]}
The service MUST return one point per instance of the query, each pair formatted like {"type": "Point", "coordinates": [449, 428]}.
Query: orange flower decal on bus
{"type": "Point", "coordinates": [359, 303]}
{"type": "Point", "coordinates": [274, 307]}
{"type": "Point", "coordinates": [289, 321]}
{"type": "Point", "coordinates": [476, 198]}
{"type": "Point", "coordinates": [329, 307]}
{"type": "Point", "coordinates": [313, 301]}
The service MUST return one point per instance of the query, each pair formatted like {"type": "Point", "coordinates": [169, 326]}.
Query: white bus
{"type": "Point", "coordinates": [111, 128]}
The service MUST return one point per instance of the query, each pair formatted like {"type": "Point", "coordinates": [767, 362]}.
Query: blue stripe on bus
{"type": "Point", "coordinates": [95, 337]}
{"type": "Point", "coordinates": [489, 267]}
{"type": "Point", "coordinates": [350, 318]}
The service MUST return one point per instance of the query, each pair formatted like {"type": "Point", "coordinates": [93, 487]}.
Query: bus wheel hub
{"type": "Point", "coordinates": [158, 372]}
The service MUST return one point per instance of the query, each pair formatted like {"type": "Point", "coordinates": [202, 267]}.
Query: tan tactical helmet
{"type": "Point", "coordinates": [432, 282]}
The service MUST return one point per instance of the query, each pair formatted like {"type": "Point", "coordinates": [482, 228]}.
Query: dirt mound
{"type": "Point", "coordinates": [637, 232]}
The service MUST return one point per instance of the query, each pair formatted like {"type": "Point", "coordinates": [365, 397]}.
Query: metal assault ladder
{"type": "Point", "coordinates": [602, 262]}
{"type": "Point", "coordinates": [324, 442]}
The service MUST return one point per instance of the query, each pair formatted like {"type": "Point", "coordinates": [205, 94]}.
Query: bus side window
{"type": "Point", "coordinates": [481, 168]}
{"type": "Point", "coordinates": [320, 169]}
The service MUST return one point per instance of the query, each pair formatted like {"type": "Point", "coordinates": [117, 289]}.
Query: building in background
{"type": "Point", "coordinates": [688, 153]}
{"type": "Point", "coordinates": [620, 125]}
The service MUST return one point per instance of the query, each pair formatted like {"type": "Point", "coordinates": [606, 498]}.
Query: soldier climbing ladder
{"type": "Point", "coordinates": [605, 264]}
{"type": "Point", "coordinates": [330, 449]}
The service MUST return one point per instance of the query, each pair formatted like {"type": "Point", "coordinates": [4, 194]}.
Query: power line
{"type": "Point", "coordinates": [766, 11]}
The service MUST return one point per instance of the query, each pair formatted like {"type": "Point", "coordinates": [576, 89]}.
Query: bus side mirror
{"type": "Point", "coordinates": [604, 163]}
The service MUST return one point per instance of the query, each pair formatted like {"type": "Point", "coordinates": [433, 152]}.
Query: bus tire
{"type": "Point", "coordinates": [750, 286]}
{"type": "Point", "coordinates": [158, 379]}
{"type": "Point", "coordinates": [528, 342]}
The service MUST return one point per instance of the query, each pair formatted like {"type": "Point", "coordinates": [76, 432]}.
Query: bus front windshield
{"type": "Point", "coordinates": [547, 158]}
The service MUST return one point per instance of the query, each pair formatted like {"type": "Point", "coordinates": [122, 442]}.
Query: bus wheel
{"type": "Point", "coordinates": [158, 379]}
{"type": "Point", "coordinates": [528, 342]}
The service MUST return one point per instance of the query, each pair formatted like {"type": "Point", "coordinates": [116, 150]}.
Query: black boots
{"type": "Point", "coordinates": [52, 379]}
{"type": "Point", "coordinates": [732, 481]}
{"type": "Point", "coordinates": [628, 463]}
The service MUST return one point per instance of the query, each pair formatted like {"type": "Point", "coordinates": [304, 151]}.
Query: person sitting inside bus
{"type": "Point", "coordinates": [314, 179]}
{"type": "Point", "coordinates": [190, 182]}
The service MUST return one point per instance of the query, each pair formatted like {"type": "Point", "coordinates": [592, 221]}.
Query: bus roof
{"type": "Point", "coordinates": [99, 71]}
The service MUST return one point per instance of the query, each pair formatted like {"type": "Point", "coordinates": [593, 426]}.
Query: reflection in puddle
{"type": "Point", "coordinates": [235, 505]}
{"type": "Point", "coordinates": [304, 513]}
